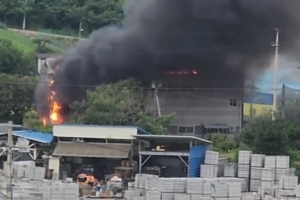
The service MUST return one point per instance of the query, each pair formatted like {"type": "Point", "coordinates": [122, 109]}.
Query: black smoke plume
{"type": "Point", "coordinates": [221, 39]}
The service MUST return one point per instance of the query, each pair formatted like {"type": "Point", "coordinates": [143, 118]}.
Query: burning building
{"type": "Point", "coordinates": [204, 46]}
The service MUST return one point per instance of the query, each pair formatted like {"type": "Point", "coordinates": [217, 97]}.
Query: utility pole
{"type": "Point", "coordinates": [80, 29]}
{"type": "Point", "coordinates": [283, 102]}
{"type": "Point", "coordinates": [10, 144]}
{"type": "Point", "coordinates": [275, 75]}
{"type": "Point", "coordinates": [9, 160]}
{"type": "Point", "coordinates": [251, 103]}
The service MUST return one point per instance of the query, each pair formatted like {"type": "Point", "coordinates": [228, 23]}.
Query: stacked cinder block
{"type": "Point", "coordinates": [287, 186]}
{"type": "Point", "coordinates": [185, 188]}
{"type": "Point", "coordinates": [268, 172]}
{"type": "Point", "coordinates": [282, 165]}
{"type": "Point", "coordinates": [231, 170]}
{"type": "Point", "coordinates": [257, 163]}
{"type": "Point", "coordinates": [210, 167]}
{"type": "Point", "coordinates": [226, 191]}
{"type": "Point", "coordinates": [244, 158]}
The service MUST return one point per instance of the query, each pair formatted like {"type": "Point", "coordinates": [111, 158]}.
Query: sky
{"type": "Point", "coordinates": [288, 73]}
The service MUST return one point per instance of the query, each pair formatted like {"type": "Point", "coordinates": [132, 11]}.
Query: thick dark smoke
{"type": "Point", "coordinates": [222, 39]}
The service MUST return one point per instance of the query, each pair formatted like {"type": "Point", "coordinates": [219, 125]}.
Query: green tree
{"type": "Point", "coordinates": [13, 61]}
{"type": "Point", "coordinates": [268, 136]}
{"type": "Point", "coordinates": [42, 46]}
{"type": "Point", "coordinates": [120, 103]}
{"type": "Point", "coordinates": [17, 96]}
{"type": "Point", "coordinates": [32, 121]}
{"type": "Point", "coordinates": [61, 14]}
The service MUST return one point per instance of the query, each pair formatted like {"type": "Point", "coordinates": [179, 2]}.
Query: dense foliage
{"type": "Point", "coordinates": [276, 137]}
{"type": "Point", "coordinates": [17, 82]}
{"type": "Point", "coordinates": [121, 103]}
{"type": "Point", "coordinates": [61, 14]}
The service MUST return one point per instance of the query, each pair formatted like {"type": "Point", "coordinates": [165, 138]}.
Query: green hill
{"type": "Point", "coordinates": [21, 42]}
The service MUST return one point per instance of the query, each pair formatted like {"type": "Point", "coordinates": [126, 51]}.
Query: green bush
{"type": "Point", "coordinates": [222, 142]}
{"type": "Point", "coordinates": [3, 26]}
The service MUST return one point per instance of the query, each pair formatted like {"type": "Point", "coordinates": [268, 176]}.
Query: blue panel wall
{"type": "Point", "coordinates": [197, 154]}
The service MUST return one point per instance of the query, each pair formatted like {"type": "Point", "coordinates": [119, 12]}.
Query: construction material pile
{"type": "Point", "coordinates": [150, 187]}
{"type": "Point", "coordinates": [25, 169]}
{"type": "Point", "coordinates": [29, 183]}
{"type": "Point", "coordinates": [269, 176]}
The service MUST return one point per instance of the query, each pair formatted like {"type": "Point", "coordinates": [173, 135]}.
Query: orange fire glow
{"type": "Point", "coordinates": [44, 121]}
{"type": "Point", "coordinates": [55, 115]}
{"type": "Point", "coordinates": [183, 72]}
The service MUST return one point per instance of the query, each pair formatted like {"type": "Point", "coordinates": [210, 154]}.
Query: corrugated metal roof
{"type": "Point", "coordinates": [96, 150]}
{"type": "Point", "coordinates": [172, 138]}
{"type": "Point", "coordinates": [139, 129]}
{"type": "Point", "coordinates": [34, 135]}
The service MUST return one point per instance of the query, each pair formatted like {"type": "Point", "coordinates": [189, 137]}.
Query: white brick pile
{"type": "Point", "coordinates": [256, 163]}
{"type": "Point", "coordinates": [26, 169]}
{"type": "Point", "coordinates": [244, 158]}
{"type": "Point", "coordinates": [47, 190]}
{"type": "Point", "coordinates": [263, 172]}
{"type": "Point", "coordinates": [230, 170]}
{"type": "Point", "coordinates": [185, 188]}
{"type": "Point", "coordinates": [210, 167]}
{"type": "Point", "coordinates": [171, 185]}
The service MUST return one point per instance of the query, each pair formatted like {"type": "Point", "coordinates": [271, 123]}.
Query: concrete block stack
{"type": "Point", "coordinates": [230, 191]}
{"type": "Point", "coordinates": [297, 192]}
{"type": "Point", "coordinates": [153, 195]}
{"type": "Point", "coordinates": [287, 186]}
{"type": "Point", "coordinates": [26, 169]}
{"type": "Point", "coordinates": [167, 196]}
{"type": "Point", "coordinates": [46, 190]}
{"type": "Point", "coordinates": [210, 167]}
{"type": "Point", "coordinates": [282, 164]}
{"type": "Point", "coordinates": [185, 188]}
{"type": "Point", "coordinates": [230, 170]}
{"type": "Point", "coordinates": [244, 158]}
{"type": "Point", "coordinates": [257, 163]}
{"type": "Point", "coordinates": [171, 185]}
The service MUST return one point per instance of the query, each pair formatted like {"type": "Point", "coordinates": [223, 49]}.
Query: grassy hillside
{"type": "Point", "coordinates": [21, 42]}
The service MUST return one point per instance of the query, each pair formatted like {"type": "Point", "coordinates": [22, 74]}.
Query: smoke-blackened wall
{"type": "Point", "coordinates": [222, 39]}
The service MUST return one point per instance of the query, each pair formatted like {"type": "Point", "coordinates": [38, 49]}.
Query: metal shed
{"type": "Point", "coordinates": [191, 141]}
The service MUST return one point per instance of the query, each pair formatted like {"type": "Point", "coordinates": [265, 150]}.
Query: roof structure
{"type": "Point", "coordinates": [96, 150]}
{"type": "Point", "coordinates": [45, 55]}
{"type": "Point", "coordinates": [97, 131]}
{"type": "Point", "coordinates": [172, 138]}
{"type": "Point", "coordinates": [32, 135]}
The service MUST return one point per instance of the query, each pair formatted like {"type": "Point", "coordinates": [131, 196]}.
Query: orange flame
{"type": "Point", "coordinates": [44, 121]}
{"type": "Point", "coordinates": [54, 116]}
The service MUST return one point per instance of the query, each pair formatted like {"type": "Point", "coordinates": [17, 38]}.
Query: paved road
{"type": "Point", "coordinates": [29, 32]}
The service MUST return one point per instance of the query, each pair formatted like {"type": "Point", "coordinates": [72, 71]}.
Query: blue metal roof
{"type": "Point", "coordinates": [34, 135]}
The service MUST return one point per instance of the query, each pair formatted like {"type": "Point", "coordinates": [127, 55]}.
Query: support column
{"type": "Point", "coordinates": [140, 157]}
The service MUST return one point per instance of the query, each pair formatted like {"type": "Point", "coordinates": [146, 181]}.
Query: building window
{"type": "Point", "coordinates": [190, 129]}
{"type": "Point", "coordinates": [232, 102]}
{"type": "Point", "coordinates": [232, 128]}
{"type": "Point", "coordinates": [184, 129]}
{"type": "Point", "coordinates": [181, 129]}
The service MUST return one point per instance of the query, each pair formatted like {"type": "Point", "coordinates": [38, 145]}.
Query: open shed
{"type": "Point", "coordinates": [183, 147]}
{"type": "Point", "coordinates": [32, 136]}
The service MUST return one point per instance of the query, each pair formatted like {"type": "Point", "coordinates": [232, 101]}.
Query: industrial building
{"type": "Point", "coordinates": [200, 106]}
